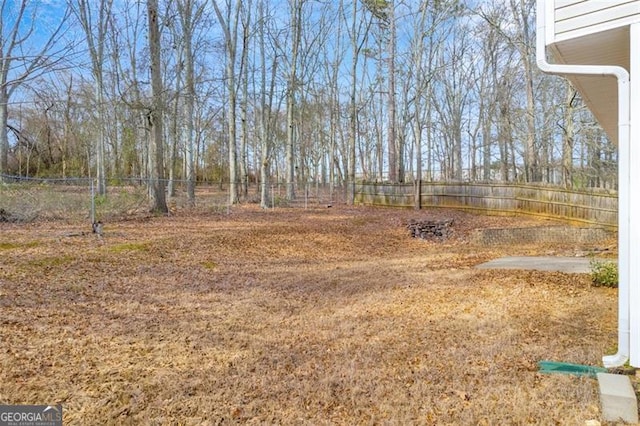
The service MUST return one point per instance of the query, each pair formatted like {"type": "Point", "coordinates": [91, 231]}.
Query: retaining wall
{"type": "Point", "coordinates": [541, 234]}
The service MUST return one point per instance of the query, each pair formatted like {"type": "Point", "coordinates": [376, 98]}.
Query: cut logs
{"type": "Point", "coordinates": [437, 230]}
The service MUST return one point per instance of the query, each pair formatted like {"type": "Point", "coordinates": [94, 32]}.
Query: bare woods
{"type": "Point", "coordinates": [288, 92]}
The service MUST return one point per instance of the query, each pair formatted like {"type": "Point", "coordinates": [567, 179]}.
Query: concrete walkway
{"type": "Point", "coordinates": [575, 265]}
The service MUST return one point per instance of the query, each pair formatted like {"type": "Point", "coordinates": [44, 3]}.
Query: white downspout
{"type": "Point", "coordinates": [624, 192]}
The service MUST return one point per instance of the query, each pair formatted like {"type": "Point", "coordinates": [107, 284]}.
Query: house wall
{"type": "Point", "coordinates": [575, 18]}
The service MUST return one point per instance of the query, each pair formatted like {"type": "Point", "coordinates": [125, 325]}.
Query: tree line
{"type": "Point", "coordinates": [240, 92]}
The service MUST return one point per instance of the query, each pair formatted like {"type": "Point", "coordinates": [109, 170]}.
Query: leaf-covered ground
{"type": "Point", "coordinates": [293, 316]}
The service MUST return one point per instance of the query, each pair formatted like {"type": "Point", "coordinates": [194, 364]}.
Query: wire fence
{"type": "Point", "coordinates": [29, 199]}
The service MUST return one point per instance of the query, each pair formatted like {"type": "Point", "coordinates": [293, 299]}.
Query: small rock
{"type": "Point", "coordinates": [97, 228]}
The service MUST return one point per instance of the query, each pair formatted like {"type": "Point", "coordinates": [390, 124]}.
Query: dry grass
{"type": "Point", "coordinates": [320, 316]}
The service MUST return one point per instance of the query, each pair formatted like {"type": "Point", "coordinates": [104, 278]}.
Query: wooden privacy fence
{"type": "Point", "coordinates": [595, 207]}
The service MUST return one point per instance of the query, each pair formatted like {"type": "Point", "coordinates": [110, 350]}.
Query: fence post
{"type": "Point", "coordinates": [93, 203]}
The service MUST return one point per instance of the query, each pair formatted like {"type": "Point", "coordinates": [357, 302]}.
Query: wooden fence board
{"type": "Point", "coordinates": [597, 207]}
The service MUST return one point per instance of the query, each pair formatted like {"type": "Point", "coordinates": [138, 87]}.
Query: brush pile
{"type": "Point", "coordinates": [7, 217]}
{"type": "Point", "coordinates": [435, 230]}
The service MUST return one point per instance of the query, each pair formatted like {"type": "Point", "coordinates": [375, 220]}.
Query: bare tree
{"type": "Point", "coordinates": [95, 24]}
{"type": "Point", "coordinates": [358, 37]}
{"type": "Point", "coordinates": [175, 119]}
{"type": "Point", "coordinates": [331, 69]}
{"type": "Point", "coordinates": [568, 138]}
{"type": "Point", "coordinates": [487, 93]}
{"type": "Point", "coordinates": [265, 103]}
{"type": "Point", "coordinates": [523, 11]}
{"type": "Point", "coordinates": [154, 117]}
{"type": "Point", "coordinates": [190, 13]}
{"type": "Point", "coordinates": [384, 12]}
{"type": "Point", "coordinates": [428, 35]}
{"type": "Point", "coordinates": [317, 100]}
{"type": "Point", "coordinates": [511, 76]}
{"type": "Point", "coordinates": [244, 103]}
{"type": "Point", "coordinates": [295, 21]}
{"type": "Point", "coordinates": [454, 88]}
{"type": "Point", "coordinates": [395, 153]}
{"type": "Point", "coordinates": [22, 59]}
{"type": "Point", "coordinates": [229, 24]}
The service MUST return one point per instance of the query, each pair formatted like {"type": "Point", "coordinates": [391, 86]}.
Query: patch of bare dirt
{"type": "Point", "coordinates": [292, 316]}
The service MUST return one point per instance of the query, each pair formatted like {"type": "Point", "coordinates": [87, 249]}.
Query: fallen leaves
{"type": "Point", "coordinates": [291, 316]}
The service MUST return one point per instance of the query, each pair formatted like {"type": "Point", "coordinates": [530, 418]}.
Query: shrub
{"type": "Point", "coordinates": [604, 273]}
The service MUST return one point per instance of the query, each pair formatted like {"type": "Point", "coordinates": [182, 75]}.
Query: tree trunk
{"type": "Point", "coordinates": [296, 29]}
{"type": "Point", "coordinates": [175, 129]}
{"type": "Point", "coordinates": [230, 27]}
{"type": "Point", "coordinates": [567, 143]}
{"type": "Point", "coordinates": [391, 101]}
{"type": "Point", "coordinates": [189, 130]}
{"type": "Point", "coordinates": [532, 172]}
{"type": "Point", "coordinates": [266, 107]}
{"type": "Point", "coordinates": [4, 139]}
{"type": "Point", "coordinates": [244, 104]}
{"type": "Point", "coordinates": [353, 111]}
{"type": "Point", "coordinates": [189, 16]}
{"type": "Point", "coordinates": [264, 141]}
{"type": "Point", "coordinates": [95, 36]}
{"type": "Point", "coordinates": [100, 142]}
{"type": "Point", "coordinates": [156, 142]}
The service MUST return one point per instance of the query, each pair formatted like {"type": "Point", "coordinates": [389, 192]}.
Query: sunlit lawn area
{"type": "Point", "coordinates": [294, 316]}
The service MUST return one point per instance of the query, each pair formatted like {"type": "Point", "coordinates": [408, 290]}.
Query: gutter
{"type": "Point", "coordinates": [624, 185]}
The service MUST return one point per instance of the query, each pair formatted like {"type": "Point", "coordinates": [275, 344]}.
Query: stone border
{"type": "Point", "coordinates": [540, 234]}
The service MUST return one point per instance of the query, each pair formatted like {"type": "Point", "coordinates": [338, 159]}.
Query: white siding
{"type": "Point", "coordinates": [574, 18]}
